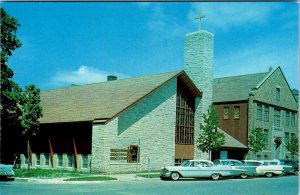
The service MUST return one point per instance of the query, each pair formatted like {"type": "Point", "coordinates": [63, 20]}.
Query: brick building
{"type": "Point", "coordinates": [262, 100]}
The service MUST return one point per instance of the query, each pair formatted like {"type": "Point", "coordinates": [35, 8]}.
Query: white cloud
{"type": "Point", "coordinates": [227, 15]}
{"type": "Point", "coordinates": [83, 75]}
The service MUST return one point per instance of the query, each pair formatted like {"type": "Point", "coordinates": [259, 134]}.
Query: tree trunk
{"type": "Point", "coordinates": [28, 154]}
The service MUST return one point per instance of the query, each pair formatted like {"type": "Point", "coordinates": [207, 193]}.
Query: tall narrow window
{"type": "Point", "coordinates": [293, 119]}
{"type": "Point", "coordinates": [38, 159]}
{"type": "Point", "coordinates": [46, 159]}
{"type": "Point", "coordinates": [70, 160]}
{"type": "Point", "coordinates": [286, 137]}
{"type": "Point", "coordinates": [85, 161]}
{"type": "Point", "coordinates": [266, 137]}
{"type": "Point", "coordinates": [287, 118]}
{"type": "Point", "coordinates": [226, 112]}
{"type": "Point", "coordinates": [277, 95]}
{"type": "Point", "coordinates": [266, 113]}
{"type": "Point", "coordinates": [236, 112]}
{"type": "Point", "coordinates": [277, 114]}
{"type": "Point", "coordinates": [59, 160]}
{"type": "Point", "coordinates": [185, 111]}
{"type": "Point", "coordinates": [259, 112]}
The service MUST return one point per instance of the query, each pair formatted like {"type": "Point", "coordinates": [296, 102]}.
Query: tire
{"type": "Point", "coordinates": [175, 176]}
{"type": "Point", "coordinates": [243, 176]}
{"type": "Point", "coordinates": [269, 174]}
{"type": "Point", "coordinates": [215, 176]}
{"type": "Point", "coordinates": [296, 172]}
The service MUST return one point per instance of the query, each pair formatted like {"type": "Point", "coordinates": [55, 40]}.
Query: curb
{"type": "Point", "coordinates": [61, 180]}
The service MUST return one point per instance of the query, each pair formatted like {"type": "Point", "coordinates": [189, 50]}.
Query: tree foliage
{"type": "Point", "coordinates": [256, 140]}
{"type": "Point", "coordinates": [20, 109]}
{"type": "Point", "coordinates": [210, 139]}
{"type": "Point", "coordinates": [31, 111]}
{"type": "Point", "coordinates": [293, 146]}
{"type": "Point", "coordinates": [10, 91]}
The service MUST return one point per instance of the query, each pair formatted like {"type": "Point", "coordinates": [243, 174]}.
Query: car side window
{"type": "Point", "coordinates": [204, 164]}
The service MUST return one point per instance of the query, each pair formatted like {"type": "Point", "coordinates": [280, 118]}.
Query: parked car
{"type": "Point", "coordinates": [269, 168]}
{"type": "Point", "coordinates": [7, 172]}
{"type": "Point", "coordinates": [238, 168]}
{"type": "Point", "coordinates": [195, 169]}
{"type": "Point", "coordinates": [252, 162]}
{"type": "Point", "coordinates": [290, 163]}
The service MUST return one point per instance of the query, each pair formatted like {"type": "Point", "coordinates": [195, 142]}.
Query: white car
{"type": "Point", "coordinates": [267, 168]}
{"type": "Point", "coordinates": [194, 169]}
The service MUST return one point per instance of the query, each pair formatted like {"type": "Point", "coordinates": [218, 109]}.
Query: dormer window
{"type": "Point", "coordinates": [277, 94]}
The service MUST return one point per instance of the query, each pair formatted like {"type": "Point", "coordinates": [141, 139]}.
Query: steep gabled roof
{"type": "Point", "coordinates": [235, 88]}
{"type": "Point", "coordinates": [103, 101]}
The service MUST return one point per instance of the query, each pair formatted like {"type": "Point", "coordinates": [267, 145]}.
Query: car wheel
{"type": "Point", "coordinates": [296, 172]}
{"type": "Point", "coordinates": [175, 176]}
{"type": "Point", "coordinates": [215, 176]}
{"type": "Point", "coordinates": [244, 176]}
{"type": "Point", "coordinates": [268, 174]}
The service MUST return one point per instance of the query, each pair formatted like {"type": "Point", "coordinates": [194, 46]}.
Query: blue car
{"type": "Point", "coordinates": [239, 168]}
{"type": "Point", "coordinates": [7, 172]}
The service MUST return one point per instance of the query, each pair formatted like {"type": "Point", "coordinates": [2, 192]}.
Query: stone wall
{"type": "Point", "coordinates": [265, 96]}
{"type": "Point", "coordinates": [150, 124]}
{"type": "Point", "coordinates": [198, 64]}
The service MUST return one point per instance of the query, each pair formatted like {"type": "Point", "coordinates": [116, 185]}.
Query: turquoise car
{"type": "Point", "coordinates": [239, 168]}
{"type": "Point", "coordinates": [7, 172]}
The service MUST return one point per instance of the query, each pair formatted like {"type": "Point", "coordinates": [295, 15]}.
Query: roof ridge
{"type": "Point", "coordinates": [103, 82]}
{"type": "Point", "coordinates": [241, 75]}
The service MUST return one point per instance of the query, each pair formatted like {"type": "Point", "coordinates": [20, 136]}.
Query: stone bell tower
{"type": "Point", "coordinates": [198, 64]}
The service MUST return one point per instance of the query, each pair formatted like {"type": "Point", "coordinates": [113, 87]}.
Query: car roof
{"type": "Point", "coordinates": [200, 161]}
{"type": "Point", "coordinates": [227, 159]}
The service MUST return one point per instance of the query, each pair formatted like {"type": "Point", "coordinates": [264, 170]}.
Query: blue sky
{"type": "Point", "coordinates": [64, 43]}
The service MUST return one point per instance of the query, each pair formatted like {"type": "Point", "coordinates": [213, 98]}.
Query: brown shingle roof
{"type": "Point", "coordinates": [235, 88]}
{"type": "Point", "coordinates": [101, 100]}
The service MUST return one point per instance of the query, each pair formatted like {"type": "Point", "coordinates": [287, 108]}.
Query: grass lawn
{"type": "Point", "coordinates": [96, 178]}
{"type": "Point", "coordinates": [151, 175]}
{"type": "Point", "coordinates": [47, 173]}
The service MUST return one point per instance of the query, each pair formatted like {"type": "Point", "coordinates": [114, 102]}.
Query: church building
{"type": "Point", "coordinates": [126, 124]}
{"type": "Point", "coordinates": [117, 125]}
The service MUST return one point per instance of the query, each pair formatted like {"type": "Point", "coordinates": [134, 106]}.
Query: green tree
{"type": "Point", "coordinates": [20, 110]}
{"type": "Point", "coordinates": [293, 146]}
{"type": "Point", "coordinates": [256, 140]}
{"type": "Point", "coordinates": [10, 91]}
{"type": "Point", "coordinates": [31, 112]}
{"type": "Point", "coordinates": [210, 139]}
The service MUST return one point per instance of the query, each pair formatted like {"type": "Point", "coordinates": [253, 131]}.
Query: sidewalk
{"type": "Point", "coordinates": [119, 177]}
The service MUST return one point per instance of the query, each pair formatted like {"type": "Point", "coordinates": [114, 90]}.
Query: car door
{"type": "Point", "coordinates": [189, 171]}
